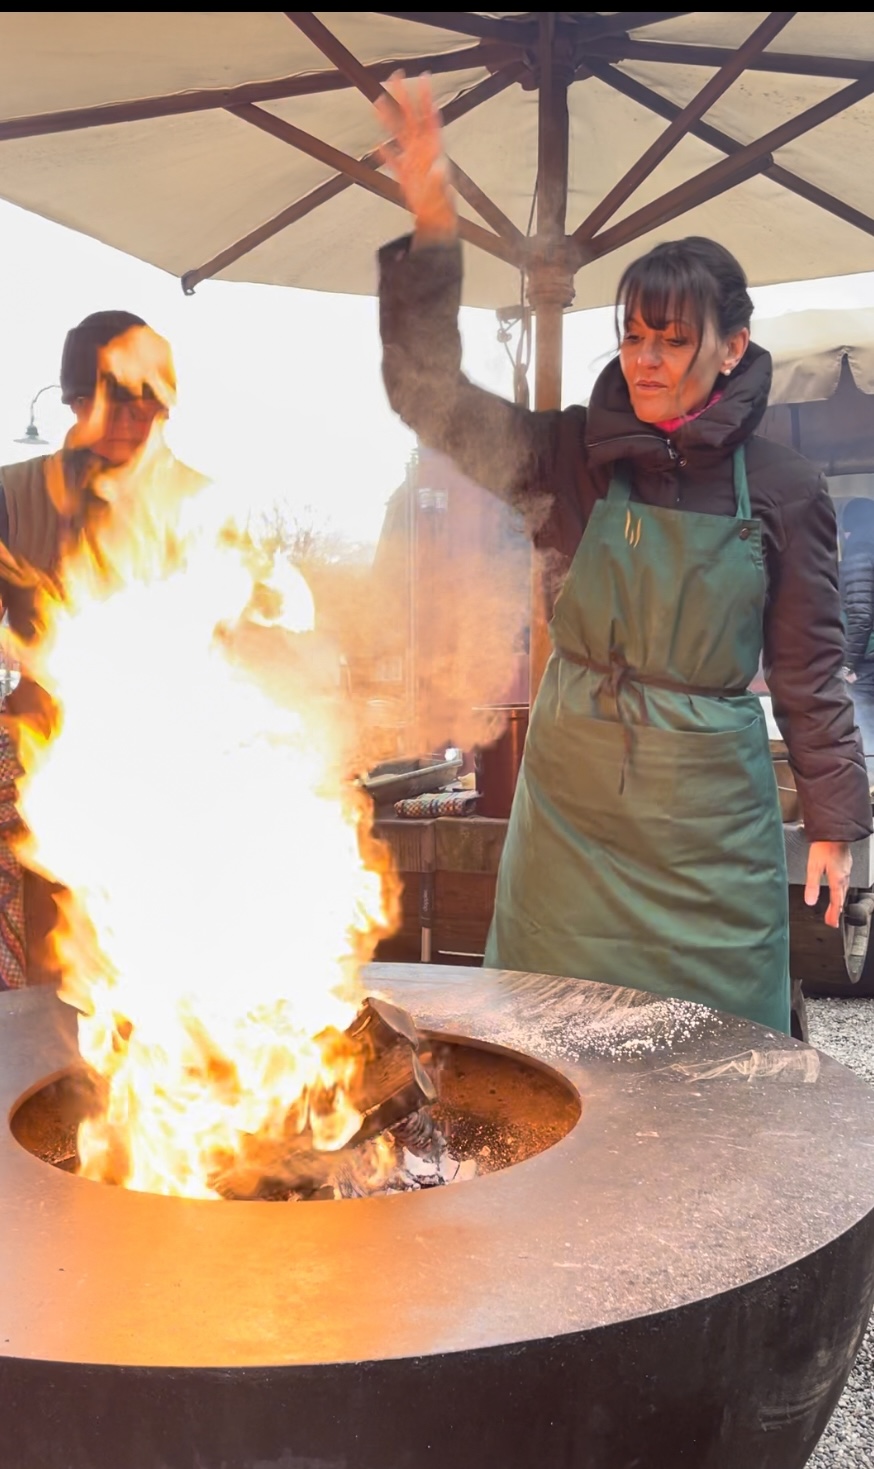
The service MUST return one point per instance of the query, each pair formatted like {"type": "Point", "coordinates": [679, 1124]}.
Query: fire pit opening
{"type": "Point", "coordinates": [493, 1108]}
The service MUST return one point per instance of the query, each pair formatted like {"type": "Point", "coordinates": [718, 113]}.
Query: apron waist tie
{"type": "Point", "coordinates": [616, 673]}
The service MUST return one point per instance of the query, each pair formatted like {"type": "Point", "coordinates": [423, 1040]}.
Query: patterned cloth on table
{"type": "Point", "coordinates": [444, 803]}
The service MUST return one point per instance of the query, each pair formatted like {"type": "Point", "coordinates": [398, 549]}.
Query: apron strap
{"type": "Point", "coordinates": [741, 485]}
{"type": "Point", "coordinates": [619, 492]}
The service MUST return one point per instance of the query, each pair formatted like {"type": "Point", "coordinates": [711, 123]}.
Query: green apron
{"type": "Point", "coordinates": [645, 845]}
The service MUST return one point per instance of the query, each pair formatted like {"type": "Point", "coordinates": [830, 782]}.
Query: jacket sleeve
{"type": "Point", "coordinates": [857, 598]}
{"type": "Point", "coordinates": [803, 656]}
{"type": "Point", "coordinates": [500, 445]}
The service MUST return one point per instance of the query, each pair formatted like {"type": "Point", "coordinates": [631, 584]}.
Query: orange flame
{"type": "Point", "coordinates": [189, 797]}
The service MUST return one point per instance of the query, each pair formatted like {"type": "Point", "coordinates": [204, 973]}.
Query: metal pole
{"type": "Point", "coordinates": [550, 278]}
{"type": "Point", "coordinates": [411, 713]}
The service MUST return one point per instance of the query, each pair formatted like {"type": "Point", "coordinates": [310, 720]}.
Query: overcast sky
{"type": "Point", "coordinates": [280, 389]}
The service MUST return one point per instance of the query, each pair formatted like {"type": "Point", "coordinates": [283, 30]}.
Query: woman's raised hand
{"type": "Point", "coordinates": [416, 157]}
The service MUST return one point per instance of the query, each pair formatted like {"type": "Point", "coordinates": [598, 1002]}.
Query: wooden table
{"type": "Point", "coordinates": [449, 868]}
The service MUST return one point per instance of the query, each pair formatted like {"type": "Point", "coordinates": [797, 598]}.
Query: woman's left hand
{"type": "Point", "coordinates": [416, 157]}
{"type": "Point", "coordinates": [833, 861]}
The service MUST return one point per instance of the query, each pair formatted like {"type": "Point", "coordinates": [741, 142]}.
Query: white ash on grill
{"type": "Point", "coordinates": [410, 1173]}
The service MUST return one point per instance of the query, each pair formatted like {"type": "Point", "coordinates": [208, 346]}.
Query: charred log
{"type": "Point", "coordinates": [388, 1085]}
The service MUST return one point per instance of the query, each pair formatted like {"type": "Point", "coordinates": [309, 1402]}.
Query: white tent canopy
{"type": "Point", "coordinates": [118, 124]}
{"type": "Point", "coordinates": [809, 348]}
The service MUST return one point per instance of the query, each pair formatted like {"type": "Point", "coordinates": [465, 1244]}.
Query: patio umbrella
{"type": "Point", "coordinates": [241, 145]}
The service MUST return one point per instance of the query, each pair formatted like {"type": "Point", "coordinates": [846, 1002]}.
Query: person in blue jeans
{"type": "Point", "coordinates": [857, 601]}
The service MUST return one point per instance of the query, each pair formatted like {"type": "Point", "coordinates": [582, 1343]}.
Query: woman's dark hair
{"type": "Point", "coordinates": [81, 347]}
{"type": "Point", "coordinates": [694, 280]}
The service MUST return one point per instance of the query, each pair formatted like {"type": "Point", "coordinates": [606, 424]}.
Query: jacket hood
{"type": "Point", "coordinates": [613, 430]}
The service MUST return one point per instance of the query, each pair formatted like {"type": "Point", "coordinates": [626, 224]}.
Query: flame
{"type": "Point", "coordinates": [188, 794]}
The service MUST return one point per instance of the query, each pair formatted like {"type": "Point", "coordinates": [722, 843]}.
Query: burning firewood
{"type": "Point", "coordinates": [393, 1082]}
{"type": "Point", "coordinates": [390, 1088]}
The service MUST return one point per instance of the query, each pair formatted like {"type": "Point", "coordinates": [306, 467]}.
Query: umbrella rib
{"type": "Point", "coordinates": [342, 58]}
{"type": "Point", "coordinates": [678, 53]}
{"type": "Point", "coordinates": [525, 33]}
{"type": "Point", "coordinates": [376, 183]}
{"type": "Point", "coordinates": [654, 102]}
{"type": "Point", "coordinates": [469, 23]}
{"type": "Point", "coordinates": [459, 107]}
{"type": "Point", "coordinates": [677, 201]}
{"type": "Point", "coordinates": [815, 195]}
{"type": "Point", "coordinates": [681, 123]}
{"type": "Point", "coordinates": [298, 210]}
{"type": "Point", "coordinates": [144, 109]}
{"type": "Point", "coordinates": [628, 20]}
{"type": "Point", "coordinates": [751, 158]}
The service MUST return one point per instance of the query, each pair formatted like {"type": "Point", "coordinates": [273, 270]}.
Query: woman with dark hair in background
{"type": "Point", "coordinates": [645, 845]}
{"type": "Point", "coordinates": [857, 600]}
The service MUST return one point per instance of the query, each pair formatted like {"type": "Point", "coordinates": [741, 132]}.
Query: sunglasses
{"type": "Point", "coordinates": [116, 392]}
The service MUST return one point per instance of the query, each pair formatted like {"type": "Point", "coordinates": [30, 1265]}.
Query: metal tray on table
{"type": "Point", "coordinates": [402, 780]}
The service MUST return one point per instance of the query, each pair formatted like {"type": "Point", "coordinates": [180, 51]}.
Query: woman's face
{"type": "Point", "coordinates": [120, 427]}
{"type": "Point", "coordinates": [667, 373]}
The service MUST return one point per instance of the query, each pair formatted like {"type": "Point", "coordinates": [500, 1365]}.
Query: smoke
{"type": "Point", "coordinates": [430, 641]}
{"type": "Point", "coordinates": [470, 603]}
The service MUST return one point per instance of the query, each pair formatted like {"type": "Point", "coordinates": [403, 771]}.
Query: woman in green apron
{"type": "Point", "coordinates": [645, 845]}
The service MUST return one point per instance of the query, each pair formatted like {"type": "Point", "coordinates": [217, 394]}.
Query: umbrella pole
{"type": "Point", "coordinates": [550, 281]}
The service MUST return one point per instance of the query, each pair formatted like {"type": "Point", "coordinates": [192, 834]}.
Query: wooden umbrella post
{"type": "Point", "coordinates": [551, 266]}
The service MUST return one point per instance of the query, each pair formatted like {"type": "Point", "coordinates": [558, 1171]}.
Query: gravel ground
{"type": "Point", "coordinates": [845, 1029]}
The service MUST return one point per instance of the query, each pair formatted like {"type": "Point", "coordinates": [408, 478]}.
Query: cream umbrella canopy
{"type": "Point", "coordinates": [216, 144]}
{"type": "Point", "coordinates": [242, 145]}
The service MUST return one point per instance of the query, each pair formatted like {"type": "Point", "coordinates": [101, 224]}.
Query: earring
{"type": "Point", "coordinates": [727, 371]}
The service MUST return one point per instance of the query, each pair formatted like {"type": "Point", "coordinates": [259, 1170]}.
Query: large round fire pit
{"type": "Point", "coordinates": [678, 1273]}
